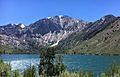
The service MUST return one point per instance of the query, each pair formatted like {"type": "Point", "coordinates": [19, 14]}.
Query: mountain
{"type": "Point", "coordinates": [53, 29]}
{"type": "Point", "coordinates": [44, 32]}
{"type": "Point", "coordinates": [67, 34]}
{"type": "Point", "coordinates": [99, 37]}
{"type": "Point", "coordinates": [12, 29]}
{"type": "Point", "coordinates": [56, 24]}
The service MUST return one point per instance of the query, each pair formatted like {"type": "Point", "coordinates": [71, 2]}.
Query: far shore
{"type": "Point", "coordinates": [104, 54]}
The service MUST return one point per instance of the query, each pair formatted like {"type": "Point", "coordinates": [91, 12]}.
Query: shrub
{"type": "Point", "coordinates": [30, 72]}
{"type": "Point", "coordinates": [16, 73]}
{"type": "Point", "coordinates": [4, 69]}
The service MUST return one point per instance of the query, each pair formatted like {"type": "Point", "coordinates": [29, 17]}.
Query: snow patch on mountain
{"type": "Point", "coordinates": [55, 44]}
{"type": "Point", "coordinates": [12, 24]}
{"type": "Point", "coordinates": [60, 16]}
{"type": "Point", "coordinates": [22, 26]}
{"type": "Point", "coordinates": [61, 22]}
{"type": "Point", "coordinates": [49, 17]}
{"type": "Point", "coordinates": [16, 24]}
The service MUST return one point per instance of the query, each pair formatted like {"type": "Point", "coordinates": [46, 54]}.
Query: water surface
{"type": "Point", "coordinates": [93, 63]}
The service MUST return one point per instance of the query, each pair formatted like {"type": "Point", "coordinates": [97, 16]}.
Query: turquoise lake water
{"type": "Point", "coordinates": [93, 63]}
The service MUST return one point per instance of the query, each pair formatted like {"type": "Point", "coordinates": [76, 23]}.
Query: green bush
{"type": "Point", "coordinates": [113, 71]}
{"type": "Point", "coordinates": [16, 73]}
{"type": "Point", "coordinates": [30, 72]}
{"type": "Point", "coordinates": [66, 73]}
{"type": "Point", "coordinates": [4, 69]}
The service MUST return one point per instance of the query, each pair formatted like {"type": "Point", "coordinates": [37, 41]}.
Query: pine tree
{"type": "Point", "coordinates": [46, 66]}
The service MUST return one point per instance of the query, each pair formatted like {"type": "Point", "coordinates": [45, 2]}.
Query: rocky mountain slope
{"type": "Point", "coordinates": [44, 32]}
{"type": "Point", "coordinates": [99, 37]}
{"type": "Point", "coordinates": [68, 34]}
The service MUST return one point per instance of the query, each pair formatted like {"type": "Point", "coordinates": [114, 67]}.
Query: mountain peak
{"type": "Point", "coordinates": [49, 17]}
{"type": "Point", "coordinates": [22, 25]}
{"type": "Point", "coordinates": [58, 16]}
{"type": "Point", "coordinates": [110, 16]}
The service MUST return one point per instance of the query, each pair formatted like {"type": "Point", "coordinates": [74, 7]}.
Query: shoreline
{"type": "Point", "coordinates": [103, 54]}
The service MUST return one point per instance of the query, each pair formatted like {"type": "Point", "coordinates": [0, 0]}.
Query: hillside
{"type": "Point", "coordinates": [100, 37]}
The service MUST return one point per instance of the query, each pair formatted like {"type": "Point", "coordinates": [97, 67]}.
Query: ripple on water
{"type": "Point", "coordinates": [22, 64]}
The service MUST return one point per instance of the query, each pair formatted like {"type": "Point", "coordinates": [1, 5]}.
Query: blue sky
{"type": "Point", "coordinates": [29, 11]}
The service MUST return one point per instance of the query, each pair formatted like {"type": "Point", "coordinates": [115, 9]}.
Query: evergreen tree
{"type": "Point", "coordinates": [59, 66]}
{"type": "Point", "coordinates": [46, 66]}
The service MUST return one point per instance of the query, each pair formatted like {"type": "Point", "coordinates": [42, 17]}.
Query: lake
{"type": "Point", "coordinates": [95, 63]}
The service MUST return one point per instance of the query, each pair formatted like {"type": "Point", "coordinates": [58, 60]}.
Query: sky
{"type": "Point", "coordinates": [29, 11]}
